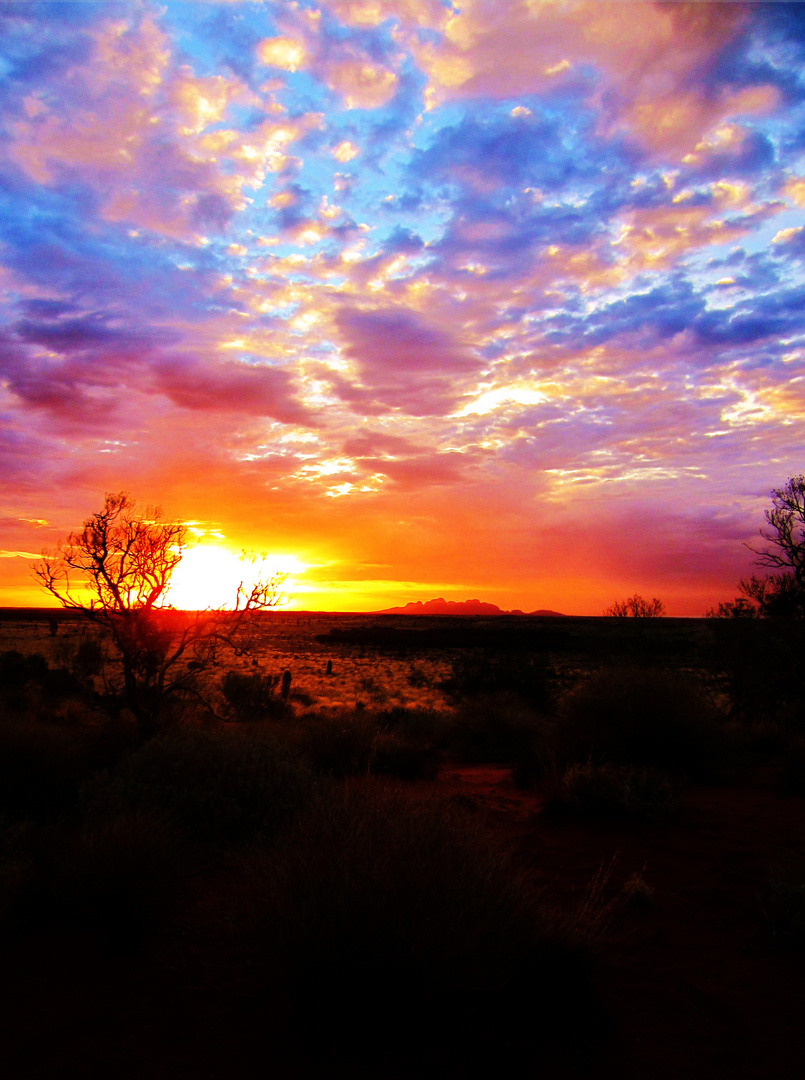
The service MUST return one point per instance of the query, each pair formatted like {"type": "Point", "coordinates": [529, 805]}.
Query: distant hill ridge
{"type": "Point", "coordinates": [459, 607]}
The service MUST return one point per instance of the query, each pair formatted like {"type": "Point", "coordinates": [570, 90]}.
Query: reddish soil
{"type": "Point", "coordinates": [696, 983]}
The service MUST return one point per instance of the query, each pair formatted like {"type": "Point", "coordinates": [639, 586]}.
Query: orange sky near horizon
{"type": "Point", "coordinates": [432, 298]}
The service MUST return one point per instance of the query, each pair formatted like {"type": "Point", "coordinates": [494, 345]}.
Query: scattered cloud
{"type": "Point", "coordinates": [409, 283]}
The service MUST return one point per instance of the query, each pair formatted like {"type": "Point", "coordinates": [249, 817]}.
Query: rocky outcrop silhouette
{"type": "Point", "coordinates": [441, 606]}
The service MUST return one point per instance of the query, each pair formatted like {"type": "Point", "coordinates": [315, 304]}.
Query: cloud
{"type": "Point", "coordinates": [480, 273]}
{"type": "Point", "coordinates": [257, 390]}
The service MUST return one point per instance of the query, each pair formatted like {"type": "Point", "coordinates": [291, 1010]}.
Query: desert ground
{"type": "Point", "coordinates": [439, 876]}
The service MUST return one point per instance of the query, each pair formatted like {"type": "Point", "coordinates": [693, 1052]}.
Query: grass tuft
{"type": "Point", "coordinates": [221, 786]}
{"type": "Point", "coordinates": [609, 789]}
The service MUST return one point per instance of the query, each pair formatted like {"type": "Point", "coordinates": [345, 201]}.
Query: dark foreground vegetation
{"type": "Point", "coordinates": [270, 889]}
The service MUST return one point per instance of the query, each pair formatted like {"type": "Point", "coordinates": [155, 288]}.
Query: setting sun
{"type": "Point", "coordinates": [209, 575]}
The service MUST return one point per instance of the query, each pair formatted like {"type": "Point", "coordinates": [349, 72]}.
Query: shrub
{"type": "Point", "coordinates": [115, 879]}
{"type": "Point", "coordinates": [784, 903]}
{"type": "Point", "coordinates": [387, 927]}
{"type": "Point", "coordinates": [755, 661]}
{"type": "Point", "coordinates": [498, 727]}
{"type": "Point", "coordinates": [408, 759]}
{"type": "Point", "coordinates": [41, 768]}
{"type": "Point", "coordinates": [642, 716]}
{"type": "Point", "coordinates": [590, 789]}
{"type": "Point", "coordinates": [339, 745]}
{"type": "Point", "coordinates": [793, 780]}
{"type": "Point", "coordinates": [222, 786]}
{"type": "Point", "coordinates": [29, 680]}
{"type": "Point", "coordinates": [362, 743]}
{"type": "Point", "coordinates": [481, 674]}
{"type": "Point", "coordinates": [254, 696]}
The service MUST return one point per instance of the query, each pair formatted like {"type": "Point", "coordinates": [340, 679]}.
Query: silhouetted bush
{"type": "Point", "coordinates": [589, 789]}
{"type": "Point", "coordinates": [498, 727]}
{"type": "Point", "coordinates": [402, 930]}
{"type": "Point", "coordinates": [29, 680]}
{"type": "Point", "coordinates": [421, 725]}
{"type": "Point", "coordinates": [41, 768]}
{"type": "Point", "coordinates": [793, 779]}
{"type": "Point", "coordinates": [408, 759]}
{"type": "Point", "coordinates": [480, 674]}
{"type": "Point", "coordinates": [642, 716]}
{"type": "Point", "coordinates": [359, 742]}
{"type": "Point", "coordinates": [339, 745]}
{"type": "Point", "coordinates": [115, 879]}
{"type": "Point", "coordinates": [755, 661]}
{"type": "Point", "coordinates": [784, 903]}
{"type": "Point", "coordinates": [255, 696]}
{"type": "Point", "coordinates": [221, 786]}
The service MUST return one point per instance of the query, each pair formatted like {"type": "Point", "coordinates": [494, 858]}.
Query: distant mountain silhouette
{"type": "Point", "coordinates": [458, 607]}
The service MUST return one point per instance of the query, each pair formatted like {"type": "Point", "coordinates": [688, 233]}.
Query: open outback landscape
{"type": "Point", "coordinates": [557, 847]}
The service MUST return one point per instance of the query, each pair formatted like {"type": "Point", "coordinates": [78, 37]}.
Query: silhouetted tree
{"type": "Point", "coordinates": [759, 656]}
{"type": "Point", "coordinates": [116, 571]}
{"type": "Point", "coordinates": [636, 608]}
{"type": "Point", "coordinates": [782, 593]}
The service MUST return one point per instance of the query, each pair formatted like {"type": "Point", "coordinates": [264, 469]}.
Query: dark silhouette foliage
{"type": "Point", "coordinates": [780, 594]}
{"type": "Point", "coordinates": [116, 571]}
{"type": "Point", "coordinates": [635, 607]}
{"type": "Point", "coordinates": [478, 674]}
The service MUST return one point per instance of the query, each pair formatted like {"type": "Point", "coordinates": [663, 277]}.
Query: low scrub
{"type": "Point", "coordinates": [221, 786]}
{"type": "Point", "coordinates": [387, 928]}
{"type": "Point", "coordinates": [27, 682]}
{"type": "Point", "coordinates": [484, 674]}
{"type": "Point", "coordinates": [784, 904]}
{"type": "Point", "coordinates": [361, 742]}
{"type": "Point", "coordinates": [499, 728]}
{"type": "Point", "coordinates": [114, 880]}
{"type": "Point", "coordinates": [595, 789]}
{"type": "Point", "coordinates": [254, 696]}
{"type": "Point", "coordinates": [41, 768]}
{"type": "Point", "coordinates": [642, 716]}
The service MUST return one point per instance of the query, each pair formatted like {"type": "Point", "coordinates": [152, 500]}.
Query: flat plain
{"type": "Point", "coordinates": [696, 971]}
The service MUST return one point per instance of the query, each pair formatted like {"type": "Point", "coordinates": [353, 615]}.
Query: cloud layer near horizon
{"type": "Point", "coordinates": [491, 299]}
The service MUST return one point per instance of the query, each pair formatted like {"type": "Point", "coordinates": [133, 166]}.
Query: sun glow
{"type": "Point", "coordinates": [209, 576]}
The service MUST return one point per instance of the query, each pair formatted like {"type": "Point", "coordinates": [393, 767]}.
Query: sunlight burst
{"type": "Point", "coordinates": [209, 575]}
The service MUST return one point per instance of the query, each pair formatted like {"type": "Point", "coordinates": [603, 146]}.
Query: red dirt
{"type": "Point", "coordinates": [696, 984]}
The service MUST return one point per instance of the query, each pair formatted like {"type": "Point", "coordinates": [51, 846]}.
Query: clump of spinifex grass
{"type": "Point", "coordinates": [42, 767]}
{"type": "Point", "coordinates": [784, 903]}
{"type": "Point", "coordinates": [358, 742]}
{"type": "Point", "coordinates": [220, 786]}
{"type": "Point", "coordinates": [610, 789]}
{"type": "Point", "coordinates": [643, 717]}
{"type": "Point", "coordinates": [114, 880]}
{"type": "Point", "coordinates": [395, 935]}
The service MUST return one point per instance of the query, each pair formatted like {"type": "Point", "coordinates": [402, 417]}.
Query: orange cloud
{"type": "Point", "coordinates": [647, 53]}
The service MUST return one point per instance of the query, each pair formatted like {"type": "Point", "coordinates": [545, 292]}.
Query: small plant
{"type": "Point", "coordinates": [499, 727]}
{"type": "Point", "coordinates": [254, 696]}
{"type": "Point", "coordinates": [590, 789]}
{"type": "Point", "coordinates": [784, 903]}
{"type": "Point", "coordinates": [27, 682]}
{"type": "Point", "coordinates": [642, 716]}
{"type": "Point", "coordinates": [526, 676]}
{"type": "Point", "coordinates": [220, 786]}
{"type": "Point", "coordinates": [636, 890]}
{"type": "Point", "coordinates": [41, 768]}
{"type": "Point", "coordinates": [115, 879]}
{"type": "Point", "coordinates": [387, 924]}
{"type": "Point", "coordinates": [635, 607]}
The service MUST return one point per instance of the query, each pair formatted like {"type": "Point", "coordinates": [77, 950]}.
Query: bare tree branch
{"type": "Point", "coordinates": [124, 561]}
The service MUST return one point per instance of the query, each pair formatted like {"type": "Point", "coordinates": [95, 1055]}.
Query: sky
{"type": "Point", "coordinates": [495, 299]}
